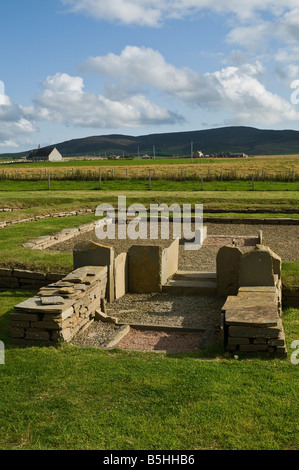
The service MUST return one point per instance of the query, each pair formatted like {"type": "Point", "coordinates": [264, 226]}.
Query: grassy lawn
{"type": "Point", "coordinates": [72, 398]}
{"type": "Point", "coordinates": [143, 185]}
{"type": "Point", "coordinates": [76, 195]}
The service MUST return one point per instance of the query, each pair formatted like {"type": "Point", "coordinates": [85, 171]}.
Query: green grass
{"type": "Point", "coordinates": [290, 271]}
{"type": "Point", "coordinates": [71, 398]}
{"type": "Point", "coordinates": [12, 254]}
{"type": "Point", "coordinates": [143, 185]}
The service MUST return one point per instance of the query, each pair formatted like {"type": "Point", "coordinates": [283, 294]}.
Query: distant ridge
{"type": "Point", "coordinates": [235, 139]}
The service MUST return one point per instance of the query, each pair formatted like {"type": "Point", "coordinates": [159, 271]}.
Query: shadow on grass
{"type": "Point", "coordinates": [8, 300]}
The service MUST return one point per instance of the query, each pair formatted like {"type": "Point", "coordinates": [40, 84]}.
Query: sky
{"type": "Point", "coordinates": [76, 68]}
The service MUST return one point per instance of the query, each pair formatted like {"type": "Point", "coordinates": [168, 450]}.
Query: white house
{"type": "Point", "coordinates": [46, 154]}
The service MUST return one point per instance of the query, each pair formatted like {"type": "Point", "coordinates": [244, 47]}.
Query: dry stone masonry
{"type": "Point", "coordinates": [60, 310]}
{"type": "Point", "coordinates": [252, 318]}
{"type": "Point", "coordinates": [11, 278]}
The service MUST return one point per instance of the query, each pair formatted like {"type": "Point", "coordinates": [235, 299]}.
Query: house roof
{"type": "Point", "coordinates": [42, 152]}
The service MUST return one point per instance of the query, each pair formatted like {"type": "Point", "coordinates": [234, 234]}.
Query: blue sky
{"type": "Point", "coordinates": [75, 68]}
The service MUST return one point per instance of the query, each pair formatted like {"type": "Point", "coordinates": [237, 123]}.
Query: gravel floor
{"type": "Point", "coordinates": [163, 309]}
{"type": "Point", "coordinates": [282, 239]}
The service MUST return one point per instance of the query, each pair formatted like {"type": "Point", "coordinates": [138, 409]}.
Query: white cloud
{"type": "Point", "coordinates": [247, 98]}
{"type": "Point", "coordinates": [63, 100]}
{"type": "Point", "coordinates": [144, 65]}
{"type": "Point", "coordinates": [154, 12]}
{"type": "Point", "coordinates": [15, 124]}
{"type": "Point", "coordinates": [238, 90]}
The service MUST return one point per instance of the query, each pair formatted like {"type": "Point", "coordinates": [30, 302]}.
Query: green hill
{"type": "Point", "coordinates": [227, 139]}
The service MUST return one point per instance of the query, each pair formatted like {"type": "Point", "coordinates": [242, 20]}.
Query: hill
{"type": "Point", "coordinates": [247, 140]}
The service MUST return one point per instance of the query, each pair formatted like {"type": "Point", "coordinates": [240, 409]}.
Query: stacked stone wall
{"type": "Point", "coordinates": [60, 310]}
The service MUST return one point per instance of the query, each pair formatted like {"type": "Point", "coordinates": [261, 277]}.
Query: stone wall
{"type": "Point", "coordinates": [42, 243]}
{"type": "Point", "coordinates": [252, 315]}
{"type": "Point", "coordinates": [11, 278]}
{"type": "Point", "coordinates": [60, 310]}
{"type": "Point", "coordinates": [252, 322]}
{"type": "Point", "coordinates": [8, 223]}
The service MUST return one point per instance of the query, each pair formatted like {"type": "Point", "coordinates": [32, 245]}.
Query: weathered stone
{"type": "Point", "coordinates": [5, 272]}
{"type": "Point", "coordinates": [170, 261]}
{"type": "Point", "coordinates": [37, 334]}
{"type": "Point", "coordinates": [43, 325]}
{"type": "Point", "coordinates": [255, 332]}
{"type": "Point", "coordinates": [253, 347]}
{"type": "Point", "coordinates": [251, 313]}
{"type": "Point", "coordinates": [20, 324]}
{"type": "Point", "coordinates": [256, 268]}
{"type": "Point", "coordinates": [52, 300]}
{"type": "Point", "coordinates": [237, 341]}
{"type": "Point", "coordinates": [17, 332]}
{"type": "Point", "coordinates": [66, 334]}
{"type": "Point", "coordinates": [100, 316]}
{"type": "Point", "coordinates": [276, 260]}
{"type": "Point", "coordinates": [28, 274]}
{"type": "Point", "coordinates": [34, 305]}
{"type": "Point", "coordinates": [227, 269]}
{"type": "Point", "coordinates": [145, 269]}
{"type": "Point", "coordinates": [16, 316]}
{"type": "Point", "coordinates": [121, 280]}
{"type": "Point", "coordinates": [94, 254]}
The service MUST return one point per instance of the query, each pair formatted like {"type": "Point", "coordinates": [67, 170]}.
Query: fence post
{"type": "Point", "coordinates": [150, 179]}
{"type": "Point", "coordinates": [100, 179]}
{"type": "Point", "coordinates": [202, 182]}
{"type": "Point", "coordinates": [49, 181]}
{"type": "Point", "coordinates": [252, 182]}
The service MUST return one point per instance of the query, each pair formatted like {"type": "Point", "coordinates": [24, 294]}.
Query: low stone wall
{"type": "Point", "coordinates": [11, 278]}
{"type": "Point", "coordinates": [252, 312]}
{"type": "Point", "coordinates": [7, 223]}
{"type": "Point", "coordinates": [42, 243]}
{"type": "Point", "coordinates": [252, 322]}
{"type": "Point", "coordinates": [59, 311]}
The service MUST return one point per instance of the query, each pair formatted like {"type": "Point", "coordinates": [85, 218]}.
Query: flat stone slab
{"type": "Point", "coordinates": [54, 300]}
{"type": "Point", "coordinates": [258, 289]}
{"type": "Point", "coordinates": [259, 316]}
{"type": "Point", "coordinates": [255, 332]}
{"type": "Point", "coordinates": [249, 299]}
{"type": "Point", "coordinates": [86, 274]}
{"type": "Point", "coordinates": [34, 305]}
{"type": "Point", "coordinates": [252, 307]}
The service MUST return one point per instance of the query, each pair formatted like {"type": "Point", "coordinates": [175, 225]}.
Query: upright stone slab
{"type": "Point", "coordinates": [228, 266]}
{"type": "Point", "coordinates": [145, 269]}
{"type": "Point", "coordinates": [170, 260]}
{"type": "Point", "coordinates": [94, 254]}
{"type": "Point", "coordinates": [276, 260]}
{"type": "Point", "coordinates": [121, 275]}
{"type": "Point", "coordinates": [256, 268]}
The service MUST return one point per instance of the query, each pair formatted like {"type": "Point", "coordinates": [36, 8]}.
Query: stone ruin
{"type": "Point", "coordinates": [250, 282]}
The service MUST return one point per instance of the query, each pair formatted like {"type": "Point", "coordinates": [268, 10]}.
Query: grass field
{"type": "Point", "coordinates": [70, 398]}
{"type": "Point", "coordinates": [73, 398]}
{"type": "Point", "coordinates": [277, 167]}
